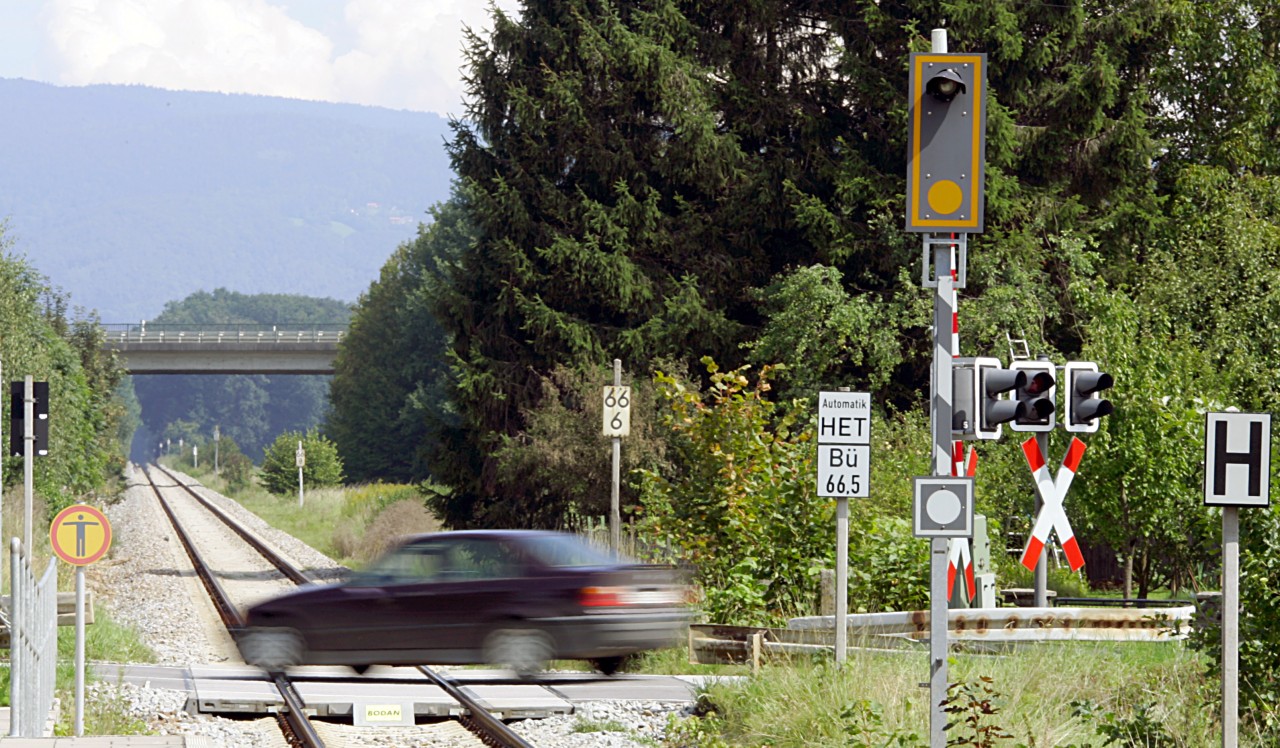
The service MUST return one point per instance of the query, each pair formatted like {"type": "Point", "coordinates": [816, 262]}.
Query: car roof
{"type": "Point", "coordinates": [508, 534]}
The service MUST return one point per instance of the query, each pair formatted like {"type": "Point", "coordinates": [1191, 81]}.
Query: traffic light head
{"type": "Point", "coordinates": [944, 85]}
{"type": "Point", "coordinates": [1036, 395]}
{"type": "Point", "coordinates": [1084, 406]}
{"type": "Point", "coordinates": [992, 383]}
{"type": "Point", "coordinates": [947, 142]}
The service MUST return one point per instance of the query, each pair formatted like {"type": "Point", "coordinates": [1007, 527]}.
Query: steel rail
{"type": "Point", "coordinates": [488, 728]}
{"type": "Point", "coordinates": [297, 729]}
{"type": "Point", "coordinates": [491, 730]}
{"type": "Point", "coordinates": [269, 553]}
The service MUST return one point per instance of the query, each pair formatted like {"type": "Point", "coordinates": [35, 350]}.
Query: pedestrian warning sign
{"type": "Point", "coordinates": [80, 535]}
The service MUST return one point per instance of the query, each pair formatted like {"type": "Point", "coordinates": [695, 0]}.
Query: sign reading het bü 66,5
{"type": "Point", "coordinates": [844, 444]}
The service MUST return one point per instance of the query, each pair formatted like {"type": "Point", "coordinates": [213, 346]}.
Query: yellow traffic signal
{"type": "Point", "coordinates": [945, 162]}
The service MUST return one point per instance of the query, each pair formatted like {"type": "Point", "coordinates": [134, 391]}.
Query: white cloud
{"type": "Point", "coordinates": [402, 53]}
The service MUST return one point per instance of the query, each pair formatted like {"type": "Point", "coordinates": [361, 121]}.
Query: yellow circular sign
{"type": "Point", "coordinates": [945, 197]}
{"type": "Point", "coordinates": [80, 534]}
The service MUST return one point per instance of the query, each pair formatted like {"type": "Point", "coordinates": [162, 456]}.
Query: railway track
{"type": "Point", "coordinates": [294, 723]}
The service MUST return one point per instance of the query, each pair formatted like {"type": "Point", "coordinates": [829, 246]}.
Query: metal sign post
{"type": "Point", "coordinates": [844, 472]}
{"type": "Point", "coordinates": [1237, 466]}
{"type": "Point", "coordinates": [217, 437]}
{"type": "Point", "coordinates": [28, 457]}
{"type": "Point", "coordinates": [616, 417]}
{"type": "Point", "coordinates": [80, 535]}
{"type": "Point", "coordinates": [300, 458]}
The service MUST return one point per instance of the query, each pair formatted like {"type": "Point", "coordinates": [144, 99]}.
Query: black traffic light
{"type": "Point", "coordinates": [1083, 405]}
{"type": "Point", "coordinates": [1036, 394]}
{"type": "Point", "coordinates": [946, 125]}
{"type": "Point", "coordinates": [992, 383]}
{"type": "Point", "coordinates": [17, 413]}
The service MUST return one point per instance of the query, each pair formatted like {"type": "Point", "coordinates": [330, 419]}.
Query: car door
{"type": "Point", "coordinates": [479, 581]}
{"type": "Point", "coordinates": [366, 613]}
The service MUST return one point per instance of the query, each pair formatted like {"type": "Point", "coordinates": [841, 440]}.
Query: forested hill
{"type": "Point", "coordinates": [127, 197]}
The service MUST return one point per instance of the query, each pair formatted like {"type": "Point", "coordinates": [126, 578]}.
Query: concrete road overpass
{"type": "Point", "coordinates": [225, 349]}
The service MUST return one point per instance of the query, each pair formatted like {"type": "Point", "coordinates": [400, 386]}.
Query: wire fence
{"type": "Point", "coordinates": [33, 645]}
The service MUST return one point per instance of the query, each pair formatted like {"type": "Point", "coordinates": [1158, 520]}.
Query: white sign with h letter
{"type": "Point", "coordinates": [1237, 459]}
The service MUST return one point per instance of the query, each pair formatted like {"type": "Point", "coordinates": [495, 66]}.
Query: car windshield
{"type": "Point", "coordinates": [567, 551]}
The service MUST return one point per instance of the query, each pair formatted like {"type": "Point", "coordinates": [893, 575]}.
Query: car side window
{"type": "Point", "coordinates": [478, 559]}
{"type": "Point", "coordinates": [410, 565]}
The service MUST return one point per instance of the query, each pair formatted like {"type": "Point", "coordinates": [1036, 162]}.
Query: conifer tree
{"type": "Point", "coordinates": [637, 169]}
{"type": "Point", "coordinates": [389, 367]}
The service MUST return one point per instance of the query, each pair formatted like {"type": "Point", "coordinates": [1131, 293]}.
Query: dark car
{"type": "Point", "coordinates": [514, 598]}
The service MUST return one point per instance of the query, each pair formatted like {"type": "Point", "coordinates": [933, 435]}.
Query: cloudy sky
{"type": "Point", "coordinates": [402, 54]}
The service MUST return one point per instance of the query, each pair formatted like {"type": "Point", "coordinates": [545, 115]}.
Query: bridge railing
{"type": "Point", "coordinates": [177, 334]}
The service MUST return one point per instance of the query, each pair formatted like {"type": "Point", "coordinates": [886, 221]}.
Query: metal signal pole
{"type": "Point", "coordinates": [940, 412]}
{"type": "Point", "coordinates": [1042, 566]}
{"type": "Point", "coordinates": [28, 456]}
{"type": "Point", "coordinates": [945, 169]}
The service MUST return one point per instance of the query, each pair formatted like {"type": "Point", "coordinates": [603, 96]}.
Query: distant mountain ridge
{"type": "Point", "coordinates": [128, 197]}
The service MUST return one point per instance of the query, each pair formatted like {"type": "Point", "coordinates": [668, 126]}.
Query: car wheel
{"type": "Point", "coordinates": [272, 649]}
{"type": "Point", "coordinates": [608, 665]}
{"type": "Point", "coordinates": [524, 650]}
{"type": "Point", "coordinates": [361, 669]}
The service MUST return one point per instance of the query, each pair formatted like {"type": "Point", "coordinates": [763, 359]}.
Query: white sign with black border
{"type": "Point", "coordinates": [943, 507]}
{"type": "Point", "coordinates": [1237, 459]}
{"type": "Point", "coordinates": [844, 418]}
{"type": "Point", "coordinates": [844, 444]}
{"type": "Point", "coordinates": [616, 420]}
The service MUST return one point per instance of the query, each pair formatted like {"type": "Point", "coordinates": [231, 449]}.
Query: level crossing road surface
{"type": "Point", "coordinates": [241, 688]}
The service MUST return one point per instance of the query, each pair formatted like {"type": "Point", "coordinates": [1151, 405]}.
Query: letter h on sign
{"type": "Point", "coordinates": [1237, 459]}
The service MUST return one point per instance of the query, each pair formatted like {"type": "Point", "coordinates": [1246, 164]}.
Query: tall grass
{"type": "Point", "coordinates": [808, 703]}
{"type": "Point", "coordinates": [350, 524]}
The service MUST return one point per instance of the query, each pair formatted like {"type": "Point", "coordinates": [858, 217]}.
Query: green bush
{"type": "Point", "coordinates": [279, 469]}
{"type": "Point", "coordinates": [741, 503]}
{"type": "Point", "coordinates": [888, 565]}
{"type": "Point", "coordinates": [370, 499]}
